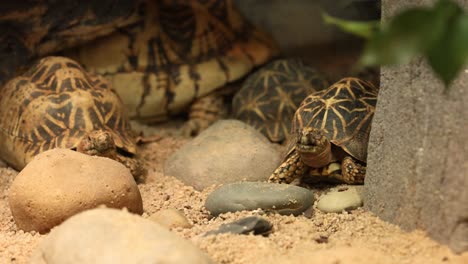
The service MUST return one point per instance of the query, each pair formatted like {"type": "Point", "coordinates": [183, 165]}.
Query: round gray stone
{"type": "Point", "coordinates": [282, 198]}
{"type": "Point", "coordinates": [228, 151]}
{"type": "Point", "coordinates": [340, 199]}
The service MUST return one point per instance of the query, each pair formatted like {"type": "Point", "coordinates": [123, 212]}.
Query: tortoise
{"type": "Point", "coordinates": [178, 59]}
{"type": "Point", "coordinates": [34, 29]}
{"type": "Point", "coordinates": [57, 104]}
{"type": "Point", "coordinates": [331, 126]}
{"type": "Point", "coordinates": [269, 97]}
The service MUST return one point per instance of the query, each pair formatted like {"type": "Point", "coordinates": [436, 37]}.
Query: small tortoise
{"type": "Point", "coordinates": [56, 104]}
{"type": "Point", "coordinates": [177, 58]}
{"type": "Point", "coordinates": [330, 126]}
{"type": "Point", "coordinates": [270, 96]}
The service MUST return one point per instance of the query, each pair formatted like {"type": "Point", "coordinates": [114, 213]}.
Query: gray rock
{"type": "Point", "coordinates": [418, 151]}
{"type": "Point", "coordinates": [282, 198]}
{"type": "Point", "coordinates": [113, 236]}
{"type": "Point", "coordinates": [341, 199]}
{"type": "Point", "coordinates": [228, 151]}
{"type": "Point", "coordinates": [59, 183]}
{"type": "Point", "coordinates": [247, 225]}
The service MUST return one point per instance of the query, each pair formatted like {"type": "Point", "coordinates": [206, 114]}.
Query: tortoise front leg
{"type": "Point", "coordinates": [134, 165]}
{"type": "Point", "coordinates": [203, 112]}
{"type": "Point", "coordinates": [291, 169]}
{"type": "Point", "coordinates": [351, 171]}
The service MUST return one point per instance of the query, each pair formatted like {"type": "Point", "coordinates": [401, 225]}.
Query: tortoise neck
{"type": "Point", "coordinates": [317, 159]}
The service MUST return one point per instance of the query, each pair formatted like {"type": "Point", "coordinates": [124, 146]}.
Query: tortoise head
{"type": "Point", "coordinates": [98, 143]}
{"type": "Point", "coordinates": [313, 147]}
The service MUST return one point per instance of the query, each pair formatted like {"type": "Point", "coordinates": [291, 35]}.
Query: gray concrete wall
{"type": "Point", "coordinates": [418, 151]}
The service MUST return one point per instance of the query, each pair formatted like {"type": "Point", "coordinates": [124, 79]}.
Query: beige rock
{"type": "Point", "coordinates": [228, 151]}
{"type": "Point", "coordinates": [341, 199]}
{"type": "Point", "coordinates": [113, 236]}
{"type": "Point", "coordinates": [170, 218]}
{"type": "Point", "coordinates": [59, 183]}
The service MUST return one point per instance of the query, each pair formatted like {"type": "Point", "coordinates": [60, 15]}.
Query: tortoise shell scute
{"type": "Point", "coordinates": [270, 96]}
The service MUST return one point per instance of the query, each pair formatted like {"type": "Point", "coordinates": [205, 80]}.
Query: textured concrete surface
{"type": "Point", "coordinates": [418, 151]}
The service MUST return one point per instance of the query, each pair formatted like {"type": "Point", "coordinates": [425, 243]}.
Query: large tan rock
{"type": "Point", "coordinates": [228, 151]}
{"type": "Point", "coordinates": [59, 183]}
{"type": "Point", "coordinates": [110, 236]}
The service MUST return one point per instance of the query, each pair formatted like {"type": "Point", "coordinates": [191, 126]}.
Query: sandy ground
{"type": "Point", "coordinates": [356, 237]}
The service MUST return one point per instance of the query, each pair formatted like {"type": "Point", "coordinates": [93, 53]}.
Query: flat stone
{"type": "Point", "coordinates": [282, 198]}
{"type": "Point", "coordinates": [228, 151]}
{"type": "Point", "coordinates": [170, 218]}
{"type": "Point", "coordinates": [247, 225]}
{"type": "Point", "coordinates": [59, 183]}
{"type": "Point", "coordinates": [111, 236]}
{"type": "Point", "coordinates": [341, 199]}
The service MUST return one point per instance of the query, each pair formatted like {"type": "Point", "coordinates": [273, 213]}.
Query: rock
{"type": "Point", "coordinates": [113, 236]}
{"type": "Point", "coordinates": [418, 150]}
{"type": "Point", "coordinates": [282, 198]}
{"type": "Point", "coordinates": [228, 151]}
{"type": "Point", "coordinates": [247, 225]}
{"type": "Point", "coordinates": [59, 183]}
{"type": "Point", "coordinates": [170, 218]}
{"type": "Point", "coordinates": [341, 199]}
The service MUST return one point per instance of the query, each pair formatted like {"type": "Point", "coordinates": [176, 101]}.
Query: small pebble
{"type": "Point", "coordinates": [170, 218]}
{"type": "Point", "coordinates": [282, 198]}
{"type": "Point", "coordinates": [341, 199]}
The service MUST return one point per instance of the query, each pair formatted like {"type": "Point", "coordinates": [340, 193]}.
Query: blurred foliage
{"type": "Point", "coordinates": [362, 29]}
{"type": "Point", "coordinates": [440, 33]}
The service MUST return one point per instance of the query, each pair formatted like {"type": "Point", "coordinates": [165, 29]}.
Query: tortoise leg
{"type": "Point", "coordinates": [291, 169]}
{"type": "Point", "coordinates": [136, 167]}
{"type": "Point", "coordinates": [351, 171]}
{"type": "Point", "coordinates": [204, 112]}
{"type": "Point", "coordinates": [101, 143]}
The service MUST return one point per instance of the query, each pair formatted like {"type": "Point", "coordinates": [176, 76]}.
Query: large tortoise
{"type": "Point", "coordinates": [269, 97]}
{"type": "Point", "coordinates": [177, 58]}
{"type": "Point", "coordinates": [164, 58]}
{"type": "Point", "coordinates": [56, 104]}
{"type": "Point", "coordinates": [330, 126]}
{"type": "Point", "coordinates": [34, 29]}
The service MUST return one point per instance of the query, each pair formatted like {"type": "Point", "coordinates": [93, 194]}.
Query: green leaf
{"type": "Point", "coordinates": [407, 35]}
{"type": "Point", "coordinates": [411, 33]}
{"type": "Point", "coordinates": [450, 54]}
{"type": "Point", "coordinates": [362, 29]}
